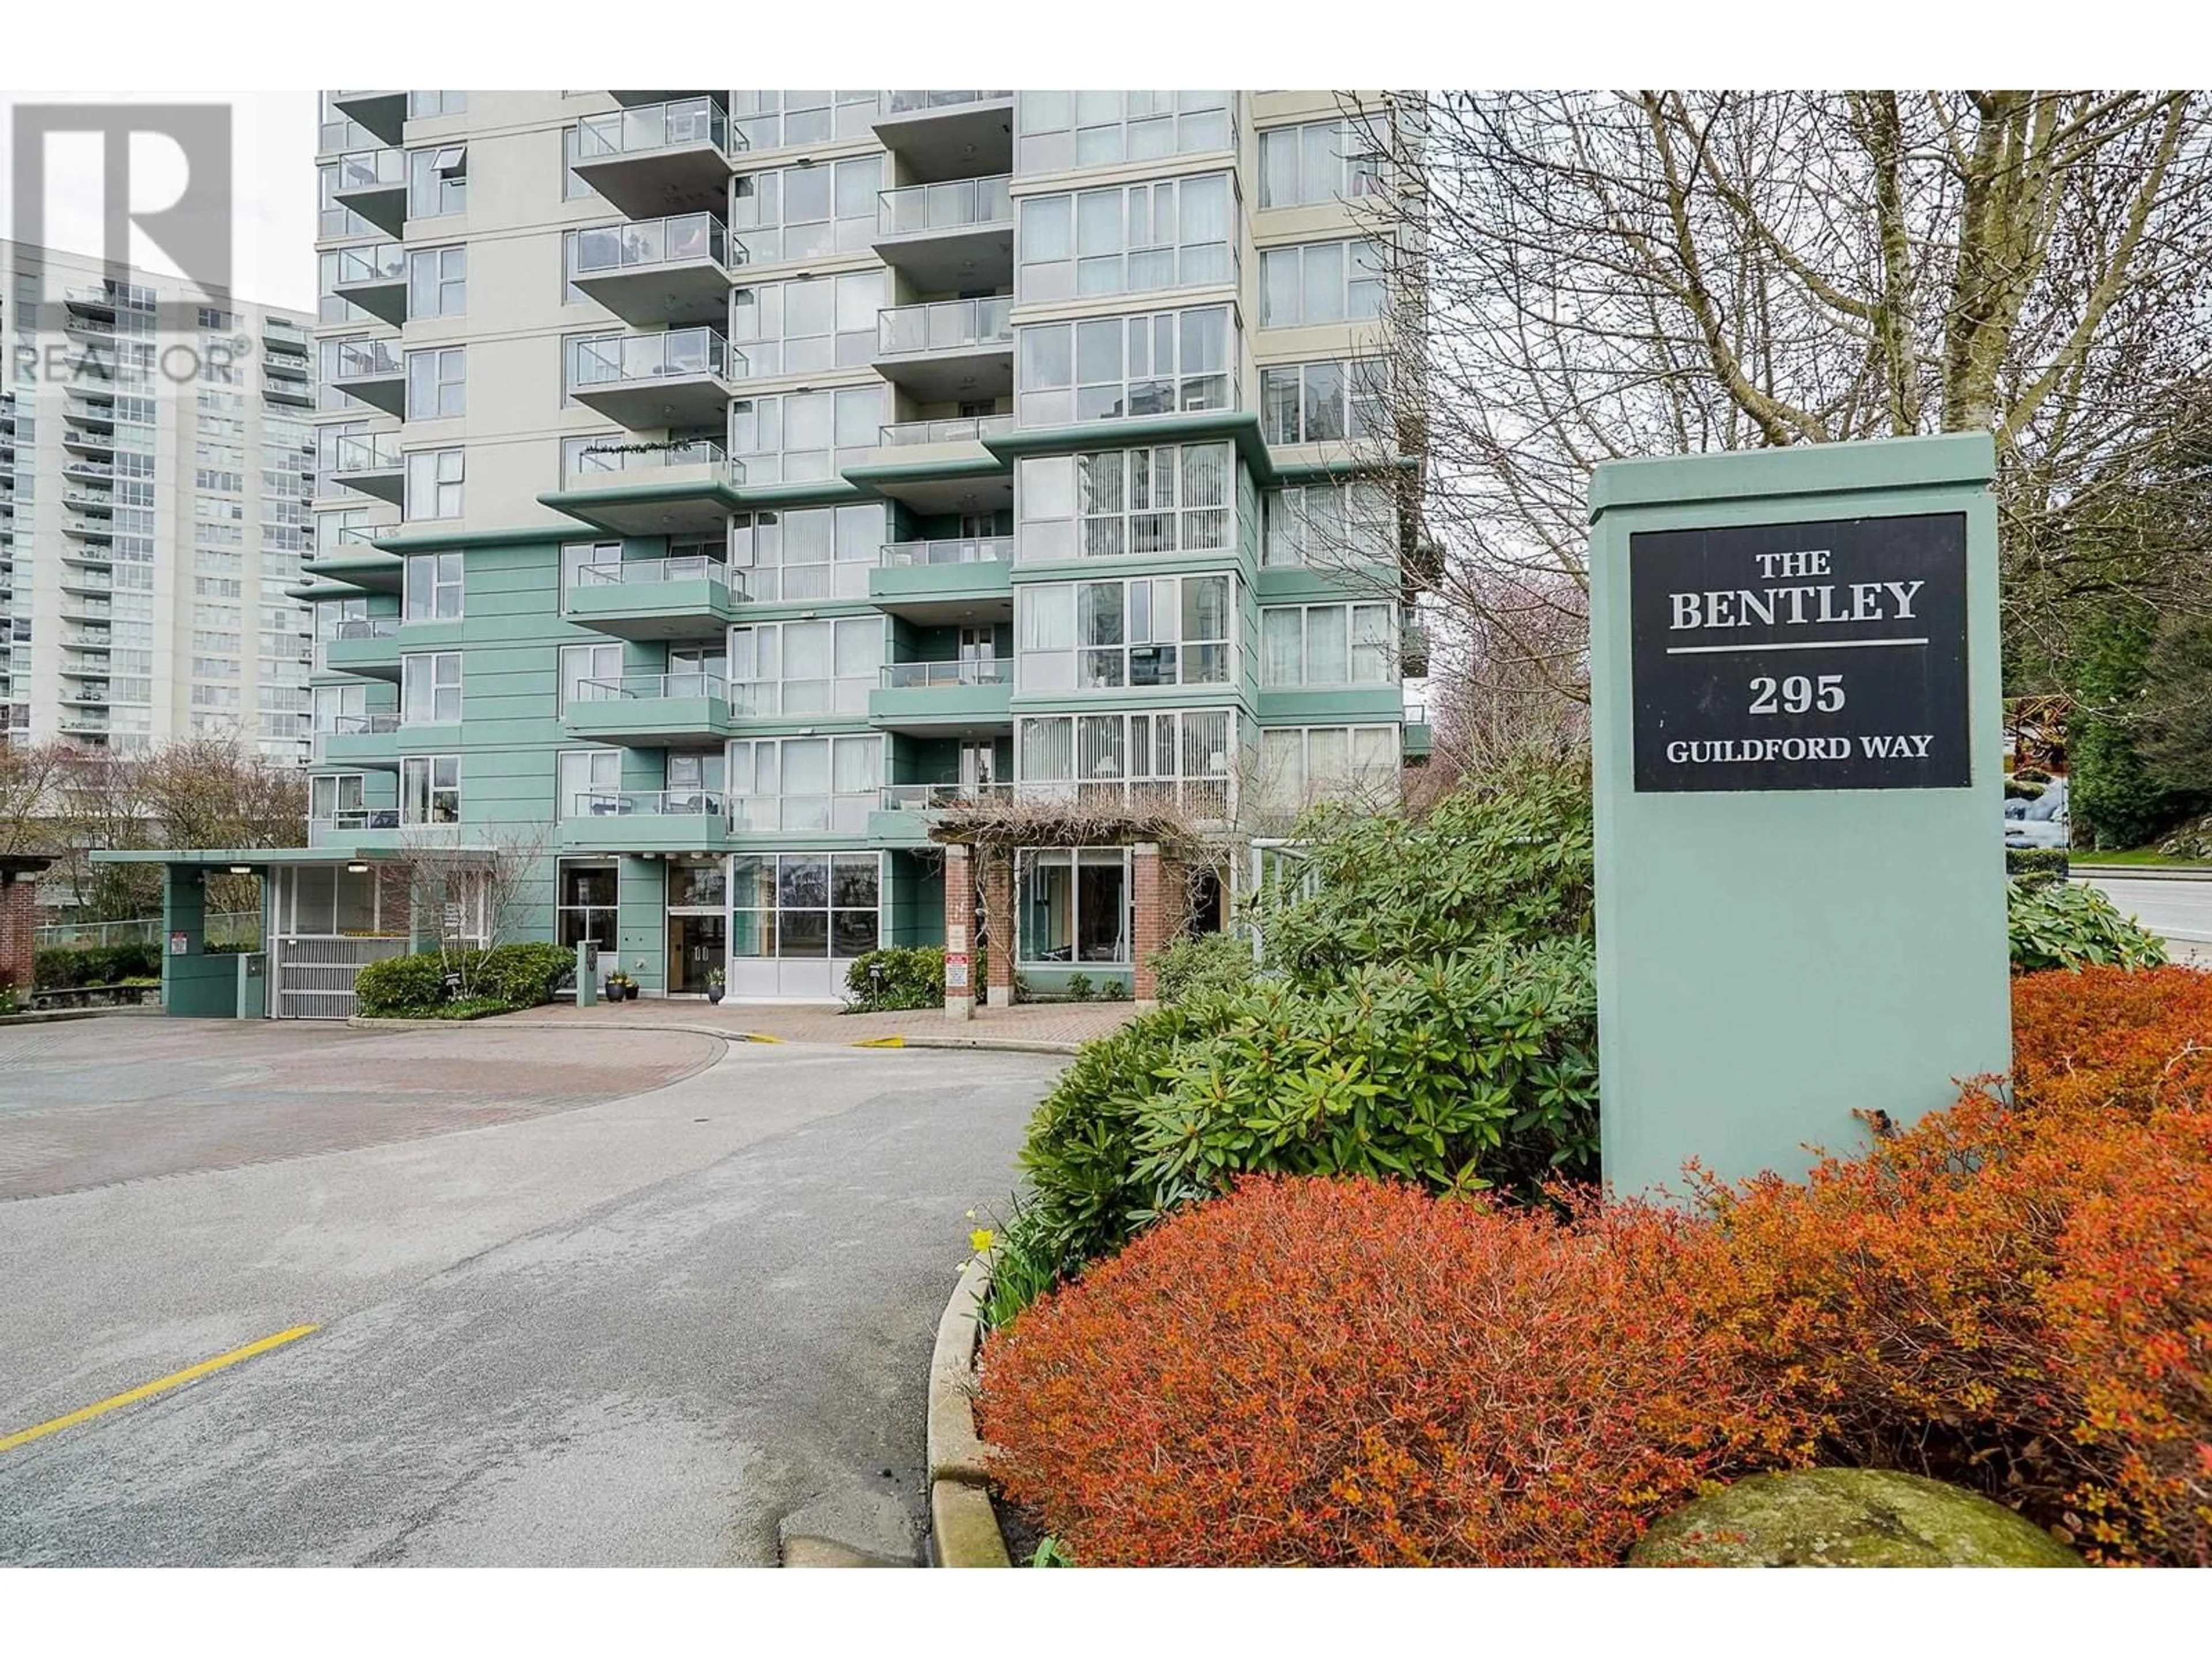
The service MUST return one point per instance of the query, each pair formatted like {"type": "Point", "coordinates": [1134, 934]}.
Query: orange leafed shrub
{"type": "Point", "coordinates": [1350, 1372]}
{"type": "Point", "coordinates": [2108, 1038]}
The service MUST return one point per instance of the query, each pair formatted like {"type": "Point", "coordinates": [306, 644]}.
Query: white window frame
{"type": "Point", "coordinates": [1287, 783]}
{"type": "Point", "coordinates": [1058, 131]}
{"type": "Point", "coordinates": [441, 275]}
{"type": "Point", "coordinates": [1378, 650]}
{"type": "Point", "coordinates": [1030, 861]}
{"type": "Point", "coordinates": [1321, 162]}
{"type": "Point", "coordinates": [433, 588]}
{"type": "Point", "coordinates": [834, 677]}
{"type": "Point", "coordinates": [1359, 407]}
{"type": "Point", "coordinates": [1110, 503]}
{"type": "Point", "coordinates": [437, 383]}
{"type": "Point", "coordinates": [437, 181]}
{"type": "Point", "coordinates": [435, 483]}
{"type": "Point", "coordinates": [767, 939]}
{"type": "Point", "coordinates": [1355, 296]}
{"type": "Point", "coordinates": [757, 771]}
{"type": "Point", "coordinates": [1292, 538]}
{"type": "Point", "coordinates": [578, 773]}
{"type": "Point", "coordinates": [580, 662]}
{"type": "Point", "coordinates": [1043, 397]}
{"type": "Point", "coordinates": [1144, 633]}
{"type": "Point", "coordinates": [441, 688]}
{"type": "Point", "coordinates": [420, 789]}
{"type": "Point", "coordinates": [1123, 239]}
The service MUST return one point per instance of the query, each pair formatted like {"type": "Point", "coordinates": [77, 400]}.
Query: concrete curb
{"type": "Point", "coordinates": [2138, 873]}
{"type": "Point", "coordinates": [50, 1015]}
{"type": "Point", "coordinates": [963, 1525]}
{"type": "Point", "coordinates": [513, 1022]}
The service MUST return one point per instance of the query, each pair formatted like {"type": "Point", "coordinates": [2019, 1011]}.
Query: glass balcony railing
{"type": "Point", "coordinates": [913, 103]}
{"type": "Point", "coordinates": [971, 670]}
{"type": "Point", "coordinates": [370, 169]}
{"type": "Point", "coordinates": [376, 262]}
{"type": "Point", "coordinates": [353, 818]}
{"type": "Point", "coordinates": [652, 126]}
{"type": "Point", "coordinates": [974, 550]}
{"type": "Point", "coordinates": [946, 326]}
{"type": "Point", "coordinates": [649, 803]}
{"type": "Point", "coordinates": [936, 797]}
{"type": "Point", "coordinates": [955, 204]}
{"type": "Point", "coordinates": [366, 628]}
{"type": "Point", "coordinates": [617, 359]}
{"type": "Point", "coordinates": [654, 688]}
{"type": "Point", "coordinates": [969, 430]}
{"type": "Point", "coordinates": [685, 567]}
{"type": "Point", "coordinates": [359, 725]}
{"type": "Point", "coordinates": [365, 360]}
{"type": "Point", "coordinates": [362, 452]}
{"type": "Point", "coordinates": [605, 248]}
{"type": "Point", "coordinates": [588, 462]}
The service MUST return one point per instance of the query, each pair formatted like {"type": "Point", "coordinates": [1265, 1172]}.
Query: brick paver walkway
{"type": "Point", "coordinates": [1055, 1022]}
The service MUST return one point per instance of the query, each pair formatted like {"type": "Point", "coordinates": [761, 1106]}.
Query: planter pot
{"type": "Point", "coordinates": [610, 992]}
{"type": "Point", "coordinates": [714, 993]}
{"type": "Point", "coordinates": [630, 994]}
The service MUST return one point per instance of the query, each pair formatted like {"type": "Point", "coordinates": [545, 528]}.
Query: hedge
{"type": "Point", "coordinates": [913, 977]}
{"type": "Point", "coordinates": [64, 968]}
{"type": "Point", "coordinates": [2036, 866]}
{"type": "Point", "coordinates": [499, 981]}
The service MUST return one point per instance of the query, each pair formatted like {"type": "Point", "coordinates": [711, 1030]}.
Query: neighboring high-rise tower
{"type": "Point", "coordinates": [155, 455]}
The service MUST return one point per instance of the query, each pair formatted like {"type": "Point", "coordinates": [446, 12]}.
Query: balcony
{"type": "Point", "coordinates": [364, 645]}
{"type": "Point", "coordinates": [373, 183]}
{"type": "Point", "coordinates": [370, 462]}
{"type": "Point", "coordinates": [655, 711]}
{"type": "Point", "coordinates": [87, 603]}
{"type": "Point", "coordinates": [88, 530]}
{"type": "Point", "coordinates": [946, 583]}
{"type": "Point", "coordinates": [374, 278]}
{"type": "Point", "coordinates": [904, 811]}
{"type": "Point", "coordinates": [967, 699]}
{"type": "Point", "coordinates": [284, 334]}
{"type": "Point", "coordinates": [652, 599]}
{"type": "Point", "coordinates": [383, 112]}
{"type": "Point", "coordinates": [653, 382]}
{"type": "Point", "coordinates": [373, 371]}
{"type": "Point", "coordinates": [652, 160]}
{"type": "Point", "coordinates": [951, 351]}
{"type": "Point", "coordinates": [356, 559]}
{"type": "Point", "coordinates": [657, 272]}
{"type": "Point", "coordinates": [79, 441]}
{"type": "Point", "coordinates": [939, 466]}
{"type": "Point", "coordinates": [360, 740]}
{"type": "Point", "coordinates": [94, 330]}
{"type": "Point", "coordinates": [282, 389]}
{"type": "Point", "coordinates": [344, 827]}
{"type": "Point", "coordinates": [86, 469]}
{"type": "Point", "coordinates": [646, 820]}
{"type": "Point", "coordinates": [956, 234]}
{"type": "Point", "coordinates": [105, 299]}
{"type": "Point", "coordinates": [678, 489]}
{"type": "Point", "coordinates": [91, 410]}
{"type": "Point", "coordinates": [1417, 737]}
{"type": "Point", "coordinates": [939, 134]}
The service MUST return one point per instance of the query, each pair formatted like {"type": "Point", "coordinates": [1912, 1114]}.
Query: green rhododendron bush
{"type": "Point", "coordinates": [2013, 1296]}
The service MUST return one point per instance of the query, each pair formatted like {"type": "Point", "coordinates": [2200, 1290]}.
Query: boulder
{"type": "Point", "coordinates": [1846, 1518]}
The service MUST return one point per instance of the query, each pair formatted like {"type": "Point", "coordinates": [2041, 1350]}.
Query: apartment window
{"type": "Point", "coordinates": [433, 587]}
{"type": "Point", "coordinates": [813, 553]}
{"type": "Point", "coordinates": [430, 687]}
{"type": "Point", "coordinates": [1129, 240]}
{"type": "Point", "coordinates": [1321, 282]}
{"type": "Point", "coordinates": [1299, 765]}
{"type": "Point", "coordinates": [433, 484]}
{"type": "Point", "coordinates": [1329, 525]}
{"type": "Point", "coordinates": [812, 667]}
{"type": "Point", "coordinates": [589, 782]}
{"type": "Point", "coordinates": [428, 105]}
{"type": "Point", "coordinates": [1141, 632]}
{"type": "Point", "coordinates": [430, 789]}
{"type": "Point", "coordinates": [1074, 907]}
{"type": "Point", "coordinates": [1182, 757]}
{"type": "Point", "coordinates": [437, 383]}
{"type": "Point", "coordinates": [586, 670]}
{"type": "Point", "coordinates": [1327, 645]}
{"type": "Point", "coordinates": [1320, 161]}
{"type": "Point", "coordinates": [806, 213]}
{"type": "Point", "coordinates": [437, 282]}
{"type": "Point", "coordinates": [586, 895]}
{"type": "Point", "coordinates": [340, 800]}
{"type": "Point", "coordinates": [1171, 499]}
{"type": "Point", "coordinates": [1117, 367]}
{"type": "Point", "coordinates": [805, 904]}
{"type": "Point", "coordinates": [769, 120]}
{"type": "Point", "coordinates": [800, 326]}
{"type": "Point", "coordinates": [575, 555]}
{"type": "Point", "coordinates": [806, 435]}
{"type": "Point", "coordinates": [1058, 131]}
{"type": "Point", "coordinates": [572, 189]}
{"type": "Point", "coordinates": [1339, 401]}
{"type": "Point", "coordinates": [437, 181]}
{"type": "Point", "coordinates": [335, 218]}
{"type": "Point", "coordinates": [806, 783]}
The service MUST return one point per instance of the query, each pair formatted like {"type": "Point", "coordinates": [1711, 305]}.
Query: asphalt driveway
{"type": "Point", "coordinates": [591, 1298]}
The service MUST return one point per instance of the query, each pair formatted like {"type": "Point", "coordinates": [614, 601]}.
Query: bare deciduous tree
{"type": "Point", "coordinates": [1593, 275]}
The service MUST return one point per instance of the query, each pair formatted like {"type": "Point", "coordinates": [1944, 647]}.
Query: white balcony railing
{"type": "Point", "coordinates": [622, 573]}
{"type": "Point", "coordinates": [945, 326]}
{"type": "Point", "coordinates": [603, 249]}
{"type": "Point", "coordinates": [586, 462]}
{"type": "Point", "coordinates": [972, 549]}
{"type": "Point", "coordinates": [913, 103]}
{"type": "Point", "coordinates": [649, 803]}
{"type": "Point", "coordinates": [967, 430]}
{"type": "Point", "coordinates": [620, 359]}
{"type": "Point", "coordinates": [954, 205]}
{"type": "Point", "coordinates": [654, 688]}
{"type": "Point", "coordinates": [936, 797]}
{"type": "Point", "coordinates": [650, 127]}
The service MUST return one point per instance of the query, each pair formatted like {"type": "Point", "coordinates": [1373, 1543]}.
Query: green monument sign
{"type": "Point", "coordinates": [1801, 909]}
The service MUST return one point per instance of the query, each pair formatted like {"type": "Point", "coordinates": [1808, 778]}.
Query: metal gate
{"type": "Point", "coordinates": [314, 974]}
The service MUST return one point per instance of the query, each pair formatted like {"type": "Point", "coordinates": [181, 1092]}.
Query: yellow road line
{"type": "Point", "coordinates": [159, 1385]}
{"type": "Point", "coordinates": [880, 1043]}
{"type": "Point", "coordinates": [761, 1036]}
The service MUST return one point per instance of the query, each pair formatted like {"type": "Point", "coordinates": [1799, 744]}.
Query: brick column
{"type": "Point", "coordinates": [18, 917]}
{"type": "Point", "coordinates": [1153, 918]}
{"type": "Point", "coordinates": [996, 875]}
{"type": "Point", "coordinates": [959, 921]}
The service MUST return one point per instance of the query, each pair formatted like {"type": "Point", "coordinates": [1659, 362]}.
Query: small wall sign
{"type": "Point", "coordinates": [956, 970]}
{"type": "Point", "coordinates": [1823, 655]}
{"type": "Point", "coordinates": [179, 943]}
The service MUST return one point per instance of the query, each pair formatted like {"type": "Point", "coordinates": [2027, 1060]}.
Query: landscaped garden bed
{"type": "Point", "coordinates": [1309, 1271]}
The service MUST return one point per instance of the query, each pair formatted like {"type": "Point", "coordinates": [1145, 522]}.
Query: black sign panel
{"type": "Point", "coordinates": [1829, 655]}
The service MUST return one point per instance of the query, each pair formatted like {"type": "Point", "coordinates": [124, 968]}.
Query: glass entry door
{"type": "Point", "coordinates": [696, 948]}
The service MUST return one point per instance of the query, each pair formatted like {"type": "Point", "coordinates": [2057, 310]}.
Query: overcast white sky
{"type": "Point", "coordinates": [272, 187]}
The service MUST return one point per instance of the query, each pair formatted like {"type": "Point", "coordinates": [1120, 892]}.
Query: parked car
{"type": "Point", "coordinates": [2039, 823]}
